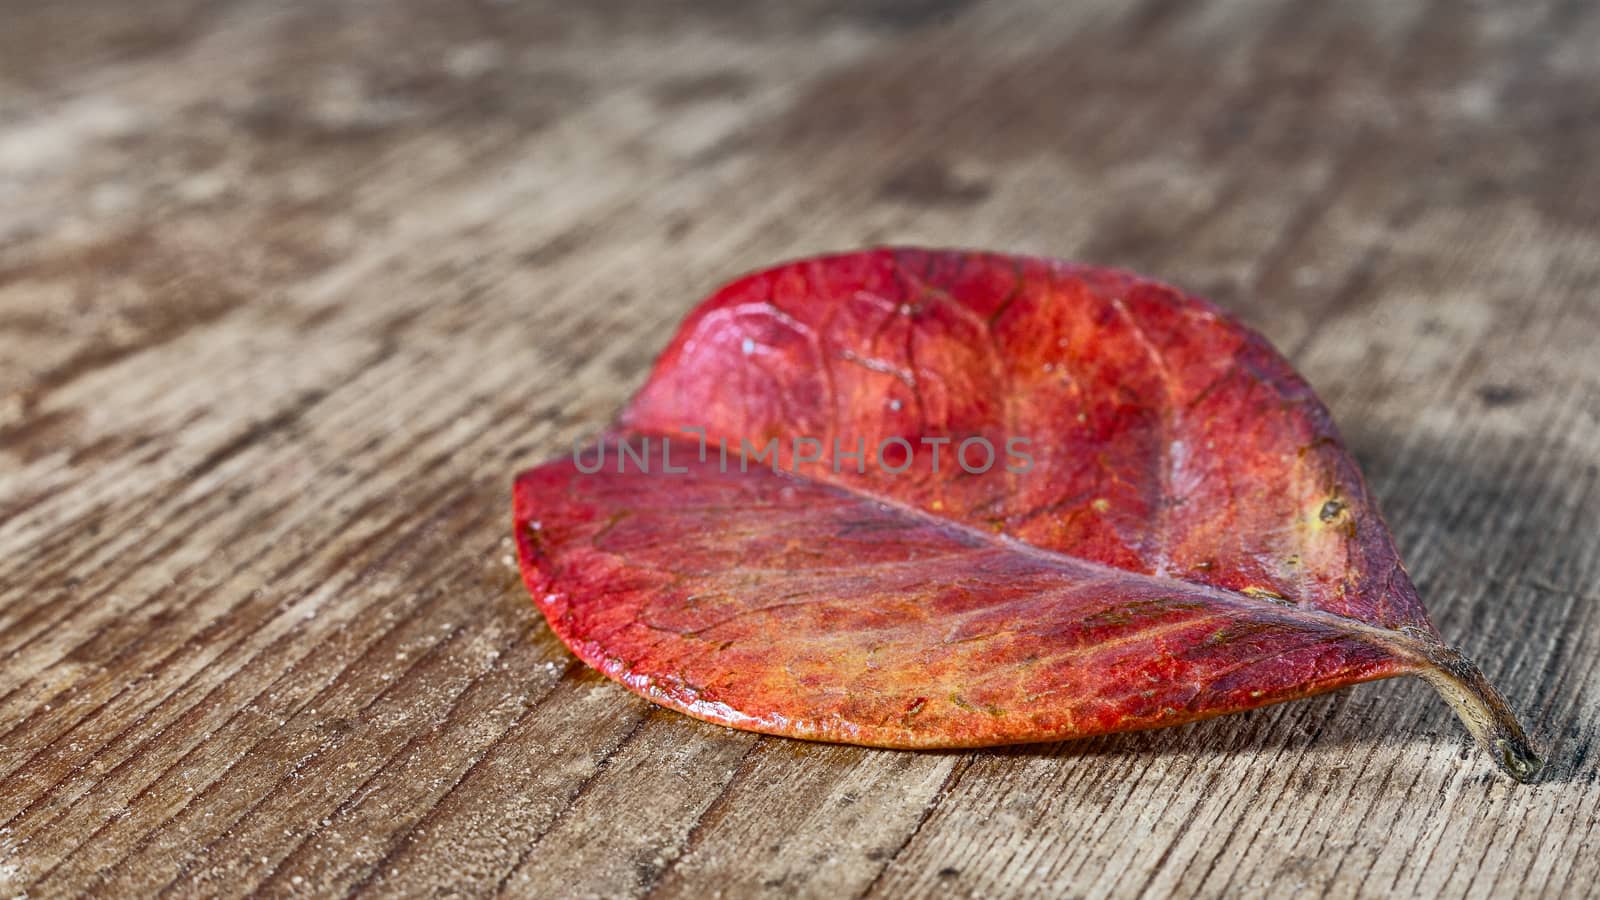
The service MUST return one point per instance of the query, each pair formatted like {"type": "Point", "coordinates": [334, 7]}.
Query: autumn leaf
{"type": "Point", "coordinates": [913, 499]}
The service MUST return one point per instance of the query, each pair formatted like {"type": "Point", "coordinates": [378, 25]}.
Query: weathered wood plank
{"type": "Point", "coordinates": [287, 293]}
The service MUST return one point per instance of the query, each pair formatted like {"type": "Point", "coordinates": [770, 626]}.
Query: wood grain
{"type": "Point", "coordinates": [289, 291]}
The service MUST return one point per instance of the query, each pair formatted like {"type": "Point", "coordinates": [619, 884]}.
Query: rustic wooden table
{"type": "Point", "coordinates": [289, 291]}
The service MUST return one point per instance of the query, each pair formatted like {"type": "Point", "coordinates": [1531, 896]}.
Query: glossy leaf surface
{"type": "Point", "coordinates": [1004, 499]}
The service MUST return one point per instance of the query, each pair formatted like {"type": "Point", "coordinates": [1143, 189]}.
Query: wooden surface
{"type": "Point", "coordinates": [289, 291]}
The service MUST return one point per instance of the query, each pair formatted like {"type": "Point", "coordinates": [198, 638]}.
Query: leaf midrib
{"type": "Point", "coordinates": [1403, 646]}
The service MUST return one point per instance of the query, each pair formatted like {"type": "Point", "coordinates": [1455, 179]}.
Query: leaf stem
{"type": "Point", "coordinates": [1481, 708]}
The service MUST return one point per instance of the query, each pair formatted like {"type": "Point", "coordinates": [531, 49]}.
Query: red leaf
{"type": "Point", "coordinates": [1190, 539]}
